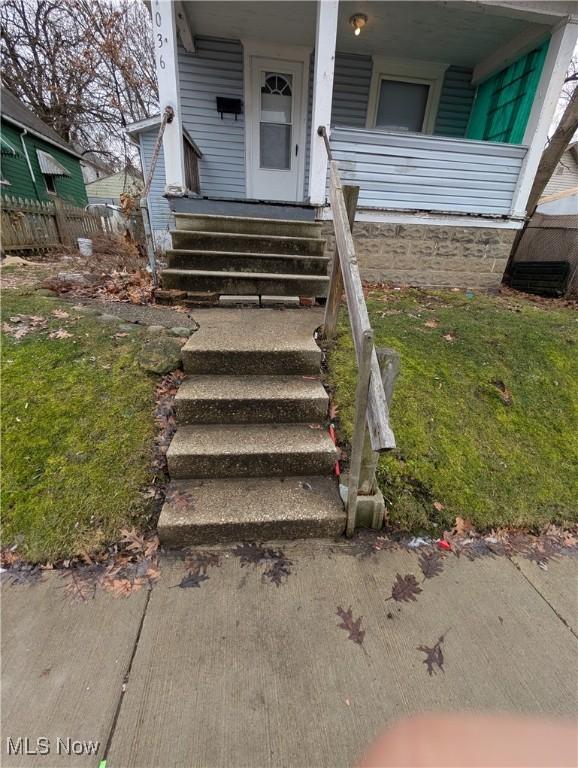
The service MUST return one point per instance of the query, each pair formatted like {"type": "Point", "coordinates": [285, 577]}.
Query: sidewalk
{"type": "Point", "coordinates": [241, 672]}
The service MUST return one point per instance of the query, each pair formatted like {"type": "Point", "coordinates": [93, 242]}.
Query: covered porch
{"type": "Point", "coordinates": [432, 107]}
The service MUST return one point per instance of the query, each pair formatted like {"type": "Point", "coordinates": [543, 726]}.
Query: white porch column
{"type": "Point", "coordinates": [326, 33]}
{"type": "Point", "coordinates": [165, 45]}
{"type": "Point", "coordinates": [558, 58]}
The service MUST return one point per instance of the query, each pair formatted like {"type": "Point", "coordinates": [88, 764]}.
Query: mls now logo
{"type": "Point", "coordinates": [23, 745]}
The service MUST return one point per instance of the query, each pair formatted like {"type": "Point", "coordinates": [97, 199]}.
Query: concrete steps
{"type": "Point", "coordinates": [250, 412]}
{"type": "Point", "coordinates": [254, 342]}
{"type": "Point", "coordinates": [247, 225]}
{"type": "Point", "coordinates": [250, 450]}
{"type": "Point", "coordinates": [235, 261]}
{"type": "Point", "coordinates": [240, 256]}
{"type": "Point", "coordinates": [247, 243]}
{"type": "Point", "coordinates": [250, 399]}
{"type": "Point", "coordinates": [245, 283]}
{"type": "Point", "coordinates": [251, 509]}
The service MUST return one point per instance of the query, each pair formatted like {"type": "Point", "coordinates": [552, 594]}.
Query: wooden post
{"type": "Point", "coordinates": [350, 195]}
{"type": "Point", "coordinates": [389, 363]}
{"type": "Point", "coordinates": [61, 224]}
{"type": "Point", "coordinates": [361, 398]}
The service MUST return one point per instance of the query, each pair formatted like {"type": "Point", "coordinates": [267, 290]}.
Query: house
{"type": "Point", "coordinates": [438, 112]}
{"type": "Point", "coordinates": [108, 189]}
{"type": "Point", "coordinates": [93, 166]}
{"type": "Point", "coordinates": [37, 164]}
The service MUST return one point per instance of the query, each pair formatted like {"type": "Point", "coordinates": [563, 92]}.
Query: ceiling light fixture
{"type": "Point", "coordinates": [358, 21]}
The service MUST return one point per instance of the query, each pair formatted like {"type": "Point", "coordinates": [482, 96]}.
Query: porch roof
{"type": "Point", "coordinates": [463, 33]}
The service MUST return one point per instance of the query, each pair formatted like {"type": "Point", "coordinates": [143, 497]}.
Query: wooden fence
{"type": "Point", "coordinates": [28, 225]}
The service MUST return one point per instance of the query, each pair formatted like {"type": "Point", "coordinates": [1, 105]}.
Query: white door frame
{"type": "Point", "coordinates": [298, 53]}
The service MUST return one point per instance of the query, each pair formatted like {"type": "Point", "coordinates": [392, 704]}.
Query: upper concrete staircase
{"type": "Point", "coordinates": [236, 255]}
{"type": "Point", "coordinates": [251, 458]}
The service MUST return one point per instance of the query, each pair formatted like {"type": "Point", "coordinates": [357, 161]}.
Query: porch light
{"type": "Point", "coordinates": [358, 21]}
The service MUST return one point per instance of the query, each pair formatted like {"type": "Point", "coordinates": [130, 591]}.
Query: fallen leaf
{"type": "Point", "coordinates": [433, 323]}
{"type": "Point", "coordinates": [462, 527]}
{"type": "Point", "coordinates": [356, 634]}
{"type": "Point", "coordinates": [431, 564]}
{"type": "Point", "coordinates": [449, 337]}
{"type": "Point", "coordinates": [503, 391]}
{"type": "Point", "coordinates": [405, 588]}
{"type": "Point", "coordinates": [434, 656]}
{"type": "Point", "coordinates": [192, 580]}
{"type": "Point", "coordinates": [59, 334]}
{"type": "Point", "coordinates": [181, 500]}
{"type": "Point", "coordinates": [60, 314]}
{"type": "Point", "coordinates": [438, 505]}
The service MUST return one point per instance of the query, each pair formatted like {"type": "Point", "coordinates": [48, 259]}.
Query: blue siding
{"type": "Point", "coordinates": [429, 173]}
{"type": "Point", "coordinates": [457, 98]}
{"type": "Point", "coordinates": [159, 211]}
{"type": "Point", "coordinates": [215, 69]}
{"type": "Point", "coordinates": [351, 89]}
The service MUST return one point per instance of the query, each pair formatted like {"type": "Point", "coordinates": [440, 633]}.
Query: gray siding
{"type": "Point", "coordinates": [215, 69]}
{"type": "Point", "coordinates": [418, 172]}
{"type": "Point", "coordinates": [351, 89]}
{"type": "Point", "coordinates": [159, 211]}
{"type": "Point", "coordinates": [456, 100]}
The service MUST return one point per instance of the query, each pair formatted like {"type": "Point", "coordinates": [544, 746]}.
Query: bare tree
{"type": "Point", "coordinates": [86, 68]}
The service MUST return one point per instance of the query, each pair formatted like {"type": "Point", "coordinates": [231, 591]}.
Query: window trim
{"type": "Point", "coordinates": [408, 71]}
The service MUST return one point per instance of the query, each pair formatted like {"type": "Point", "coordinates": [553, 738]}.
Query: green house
{"type": "Point", "coordinates": [35, 162]}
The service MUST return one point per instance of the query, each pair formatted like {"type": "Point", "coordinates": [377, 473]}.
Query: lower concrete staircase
{"type": "Point", "coordinates": [251, 458]}
{"type": "Point", "coordinates": [236, 255]}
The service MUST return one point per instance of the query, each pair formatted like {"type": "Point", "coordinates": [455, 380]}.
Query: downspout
{"type": "Point", "coordinates": [25, 150]}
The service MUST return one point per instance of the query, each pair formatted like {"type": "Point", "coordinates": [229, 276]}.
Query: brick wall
{"type": "Point", "coordinates": [430, 255]}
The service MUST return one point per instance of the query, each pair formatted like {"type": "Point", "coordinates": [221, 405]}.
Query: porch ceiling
{"type": "Point", "coordinates": [461, 33]}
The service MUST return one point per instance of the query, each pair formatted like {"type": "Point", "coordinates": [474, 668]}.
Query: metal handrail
{"type": "Point", "coordinates": [371, 405]}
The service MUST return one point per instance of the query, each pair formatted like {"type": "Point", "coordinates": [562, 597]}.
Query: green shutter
{"type": "Point", "coordinates": [503, 102]}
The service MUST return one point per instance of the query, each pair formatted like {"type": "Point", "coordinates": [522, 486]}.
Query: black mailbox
{"type": "Point", "coordinates": [228, 106]}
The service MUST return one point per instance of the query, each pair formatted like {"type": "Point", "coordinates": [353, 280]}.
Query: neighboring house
{"type": "Point", "coordinates": [565, 176]}
{"type": "Point", "coordinates": [108, 189]}
{"type": "Point", "coordinates": [438, 111]}
{"type": "Point", "coordinates": [93, 167]}
{"type": "Point", "coordinates": [37, 164]}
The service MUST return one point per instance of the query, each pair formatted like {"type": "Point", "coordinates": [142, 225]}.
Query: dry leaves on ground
{"type": "Point", "coordinates": [353, 627]}
{"type": "Point", "coordinates": [21, 325]}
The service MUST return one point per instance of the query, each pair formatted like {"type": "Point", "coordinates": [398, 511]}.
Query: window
{"type": "Point", "coordinates": [404, 95]}
{"type": "Point", "coordinates": [49, 181]}
{"type": "Point", "coordinates": [275, 125]}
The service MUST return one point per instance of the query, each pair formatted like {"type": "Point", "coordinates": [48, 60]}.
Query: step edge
{"type": "Point", "coordinates": [280, 238]}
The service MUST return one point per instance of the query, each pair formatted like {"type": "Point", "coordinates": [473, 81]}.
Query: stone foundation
{"type": "Point", "coordinates": [430, 254]}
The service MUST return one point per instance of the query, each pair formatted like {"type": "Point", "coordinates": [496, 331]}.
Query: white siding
{"type": "Point", "coordinates": [215, 69]}
{"type": "Point", "coordinates": [430, 173]}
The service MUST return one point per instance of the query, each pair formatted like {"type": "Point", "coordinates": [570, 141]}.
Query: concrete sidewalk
{"type": "Point", "coordinates": [240, 672]}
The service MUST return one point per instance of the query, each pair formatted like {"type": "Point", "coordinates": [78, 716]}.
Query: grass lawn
{"type": "Point", "coordinates": [497, 454]}
{"type": "Point", "coordinates": [77, 429]}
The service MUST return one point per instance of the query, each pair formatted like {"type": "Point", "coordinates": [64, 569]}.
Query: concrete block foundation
{"type": "Point", "coordinates": [429, 255]}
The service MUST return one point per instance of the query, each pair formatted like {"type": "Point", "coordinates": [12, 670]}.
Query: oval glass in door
{"type": "Point", "coordinates": [275, 129]}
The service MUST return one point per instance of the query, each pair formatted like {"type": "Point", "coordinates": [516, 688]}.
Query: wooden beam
{"type": "Point", "coordinates": [519, 46]}
{"type": "Point", "coordinates": [165, 45]}
{"type": "Point", "coordinates": [350, 195]}
{"type": "Point", "coordinates": [184, 28]}
{"type": "Point", "coordinates": [326, 34]}
{"type": "Point", "coordinates": [560, 50]}
{"type": "Point", "coordinates": [380, 432]}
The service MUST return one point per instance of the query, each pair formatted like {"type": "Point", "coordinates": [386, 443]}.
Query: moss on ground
{"type": "Point", "coordinates": [459, 443]}
{"type": "Point", "coordinates": [77, 429]}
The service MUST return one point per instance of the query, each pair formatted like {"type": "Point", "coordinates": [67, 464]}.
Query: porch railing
{"type": "Point", "coordinates": [371, 405]}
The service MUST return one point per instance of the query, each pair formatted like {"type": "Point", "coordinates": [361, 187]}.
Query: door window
{"type": "Point", "coordinates": [276, 121]}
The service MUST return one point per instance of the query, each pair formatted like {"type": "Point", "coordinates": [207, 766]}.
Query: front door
{"type": "Point", "coordinates": [276, 130]}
